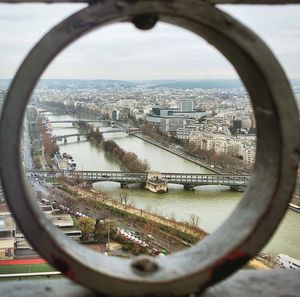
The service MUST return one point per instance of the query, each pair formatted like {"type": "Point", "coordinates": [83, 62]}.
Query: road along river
{"type": "Point", "coordinates": [213, 204]}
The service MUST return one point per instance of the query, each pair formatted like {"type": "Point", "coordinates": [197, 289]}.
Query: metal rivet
{"type": "Point", "coordinates": [145, 21]}
{"type": "Point", "coordinates": [145, 265]}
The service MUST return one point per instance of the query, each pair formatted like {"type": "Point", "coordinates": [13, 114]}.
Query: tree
{"type": "Point", "coordinates": [86, 225]}
{"type": "Point", "coordinates": [102, 228]}
{"type": "Point", "coordinates": [99, 231]}
{"type": "Point", "coordinates": [194, 220]}
{"type": "Point", "coordinates": [50, 146]}
{"type": "Point", "coordinates": [37, 162]}
{"type": "Point", "coordinates": [124, 197]}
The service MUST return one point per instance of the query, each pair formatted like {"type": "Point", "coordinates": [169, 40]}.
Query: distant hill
{"type": "Point", "coordinates": [4, 83]}
{"type": "Point", "coordinates": [204, 84]}
{"type": "Point", "coordinates": [199, 84]}
{"type": "Point", "coordinates": [64, 84]}
{"type": "Point", "coordinates": [73, 84]}
{"type": "Point", "coordinates": [295, 82]}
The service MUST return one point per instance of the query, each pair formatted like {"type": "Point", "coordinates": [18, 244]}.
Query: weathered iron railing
{"type": "Point", "coordinates": [213, 2]}
{"type": "Point", "coordinates": [244, 233]}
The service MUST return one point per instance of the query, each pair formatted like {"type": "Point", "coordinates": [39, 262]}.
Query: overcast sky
{"type": "Point", "coordinates": [122, 52]}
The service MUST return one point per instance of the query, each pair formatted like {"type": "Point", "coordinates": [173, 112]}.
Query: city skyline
{"type": "Point", "coordinates": [165, 52]}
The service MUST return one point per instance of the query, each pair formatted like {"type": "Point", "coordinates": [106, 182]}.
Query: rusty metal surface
{"type": "Point", "coordinates": [276, 283]}
{"type": "Point", "coordinates": [280, 283]}
{"type": "Point", "coordinates": [256, 217]}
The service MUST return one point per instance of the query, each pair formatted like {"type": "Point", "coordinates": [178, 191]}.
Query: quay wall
{"type": "Point", "coordinates": [177, 153]}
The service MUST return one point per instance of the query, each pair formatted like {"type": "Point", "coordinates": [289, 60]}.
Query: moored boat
{"type": "Point", "coordinates": [294, 207]}
{"type": "Point", "coordinates": [69, 159]}
{"type": "Point", "coordinates": [287, 262]}
{"type": "Point", "coordinates": [155, 183]}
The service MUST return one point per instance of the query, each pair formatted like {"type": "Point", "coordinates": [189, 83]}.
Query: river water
{"type": "Point", "coordinates": [213, 204]}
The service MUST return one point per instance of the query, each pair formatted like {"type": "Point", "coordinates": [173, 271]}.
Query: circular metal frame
{"type": "Point", "coordinates": [252, 223]}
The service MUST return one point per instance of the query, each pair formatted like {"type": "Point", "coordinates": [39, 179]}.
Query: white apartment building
{"type": "Point", "coordinates": [225, 144]}
{"type": "Point", "coordinates": [248, 154]}
{"type": "Point", "coordinates": [173, 123]}
{"type": "Point", "coordinates": [184, 133]}
{"type": "Point", "coordinates": [204, 140]}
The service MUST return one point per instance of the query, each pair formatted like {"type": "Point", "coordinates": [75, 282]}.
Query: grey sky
{"type": "Point", "coordinates": [122, 52]}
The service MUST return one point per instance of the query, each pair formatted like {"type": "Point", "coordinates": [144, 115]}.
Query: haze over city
{"type": "Point", "coordinates": [122, 52]}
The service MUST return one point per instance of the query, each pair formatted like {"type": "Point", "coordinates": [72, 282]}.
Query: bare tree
{"type": "Point", "coordinates": [124, 197]}
{"type": "Point", "coordinates": [194, 220]}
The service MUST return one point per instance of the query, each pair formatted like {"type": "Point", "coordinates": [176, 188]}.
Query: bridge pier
{"type": "Point", "coordinates": [188, 187]}
{"type": "Point", "coordinates": [124, 186]}
{"type": "Point", "coordinates": [237, 188]}
{"type": "Point", "coordinates": [87, 185]}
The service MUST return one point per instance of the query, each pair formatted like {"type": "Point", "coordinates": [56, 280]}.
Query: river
{"type": "Point", "coordinates": [213, 204]}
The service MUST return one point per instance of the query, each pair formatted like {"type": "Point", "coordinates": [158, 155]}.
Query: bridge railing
{"type": "Point", "coordinates": [76, 121]}
{"type": "Point", "coordinates": [179, 178]}
{"type": "Point", "coordinates": [68, 135]}
{"type": "Point", "coordinates": [209, 178]}
{"type": "Point", "coordinates": [108, 175]}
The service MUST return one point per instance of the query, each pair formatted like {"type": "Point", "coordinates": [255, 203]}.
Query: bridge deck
{"type": "Point", "coordinates": [85, 134]}
{"type": "Point", "coordinates": [192, 179]}
{"type": "Point", "coordinates": [69, 135]}
{"type": "Point", "coordinates": [76, 121]}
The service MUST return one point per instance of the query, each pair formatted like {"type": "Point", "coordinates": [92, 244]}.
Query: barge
{"type": "Point", "coordinates": [69, 159]}
{"type": "Point", "coordinates": [287, 262]}
{"type": "Point", "coordinates": [155, 183]}
{"type": "Point", "coordinates": [294, 207]}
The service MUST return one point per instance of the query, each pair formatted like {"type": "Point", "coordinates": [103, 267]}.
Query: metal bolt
{"type": "Point", "coordinates": [145, 265]}
{"type": "Point", "coordinates": [145, 21]}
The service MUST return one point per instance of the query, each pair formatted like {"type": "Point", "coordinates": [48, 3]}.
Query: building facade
{"type": "Point", "coordinates": [186, 105]}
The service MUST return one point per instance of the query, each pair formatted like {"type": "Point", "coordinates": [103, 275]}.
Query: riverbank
{"type": "Point", "coordinates": [178, 234]}
{"type": "Point", "coordinates": [127, 159]}
{"type": "Point", "coordinates": [190, 234]}
{"type": "Point", "coordinates": [180, 153]}
{"type": "Point", "coordinates": [213, 204]}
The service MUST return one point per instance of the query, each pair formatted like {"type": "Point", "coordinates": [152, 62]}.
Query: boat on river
{"type": "Point", "coordinates": [61, 163]}
{"type": "Point", "coordinates": [69, 159]}
{"type": "Point", "coordinates": [155, 183]}
{"type": "Point", "coordinates": [287, 262]}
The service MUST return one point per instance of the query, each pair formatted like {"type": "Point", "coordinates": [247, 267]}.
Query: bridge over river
{"type": "Point", "coordinates": [188, 180]}
{"type": "Point", "coordinates": [113, 130]}
{"type": "Point", "coordinates": [77, 121]}
{"type": "Point", "coordinates": [78, 135]}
